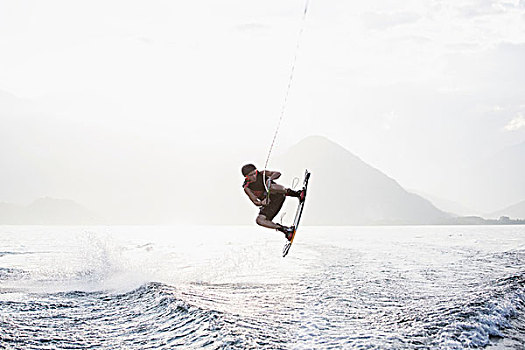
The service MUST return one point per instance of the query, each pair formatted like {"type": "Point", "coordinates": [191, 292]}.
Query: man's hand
{"type": "Point", "coordinates": [265, 201]}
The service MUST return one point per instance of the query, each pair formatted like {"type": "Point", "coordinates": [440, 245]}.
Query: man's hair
{"type": "Point", "coordinates": [248, 168]}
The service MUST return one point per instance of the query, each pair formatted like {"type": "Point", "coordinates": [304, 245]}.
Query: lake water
{"type": "Point", "coordinates": [137, 287]}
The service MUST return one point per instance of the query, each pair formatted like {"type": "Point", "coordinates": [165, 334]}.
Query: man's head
{"type": "Point", "coordinates": [247, 169]}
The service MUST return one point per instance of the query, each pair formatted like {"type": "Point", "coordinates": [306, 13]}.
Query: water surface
{"type": "Point", "coordinates": [449, 287]}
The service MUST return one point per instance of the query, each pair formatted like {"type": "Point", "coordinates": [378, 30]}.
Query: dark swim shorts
{"type": "Point", "coordinates": [276, 203]}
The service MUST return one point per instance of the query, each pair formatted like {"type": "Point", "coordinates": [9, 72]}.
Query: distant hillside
{"type": "Point", "coordinates": [516, 211]}
{"type": "Point", "coordinates": [345, 190]}
{"type": "Point", "coordinates": [497, 181]}
{"type": "Point", "coordinates": [447, 205]}
{"type": "Point", "coordinates": [47, 211]}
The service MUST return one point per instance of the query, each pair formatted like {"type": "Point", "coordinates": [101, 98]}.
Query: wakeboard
{"type": "Point", "coordinates": [298, 214]}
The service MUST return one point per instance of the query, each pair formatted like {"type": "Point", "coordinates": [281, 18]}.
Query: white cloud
{"type": "Point", "coordinates": [181, 74]}
{"type": "Point", "coordinates": [383, 21]}
{"type": "Point", "coordinates": [388, 120]}
{"type": "Point", "coordinates": [515, 124]}
{"type": "Point", "coordinates": [252, 27]}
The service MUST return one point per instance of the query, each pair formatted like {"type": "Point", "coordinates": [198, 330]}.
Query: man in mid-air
{"type": "Point", "coordinates": [269, 196]}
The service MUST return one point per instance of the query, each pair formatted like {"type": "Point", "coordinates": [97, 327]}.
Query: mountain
{"type": "Point", "coordinates": [446, 205]}
{"type": "Point", "coordinates": [47, 211]}
{"type": "Point", "coordinates": [495, 182]}
{"type": "Point", "coordinates": [516, 211]}
{"type": "Point", "coordinates": [344, 190]}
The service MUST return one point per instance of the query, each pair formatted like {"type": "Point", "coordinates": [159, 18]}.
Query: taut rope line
{"type": "Point", "coordinates": [285, 101]}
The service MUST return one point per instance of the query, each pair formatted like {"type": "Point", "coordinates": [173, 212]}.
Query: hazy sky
{"type": "Point", "coordinates": [415, 88]}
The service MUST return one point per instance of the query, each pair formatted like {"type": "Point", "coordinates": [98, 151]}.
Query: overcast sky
{"type": "Point", "coordinates": [415, 88]}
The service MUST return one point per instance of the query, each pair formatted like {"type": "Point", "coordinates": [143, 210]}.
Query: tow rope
{"type": "Point", "coordinates": [285, 101]}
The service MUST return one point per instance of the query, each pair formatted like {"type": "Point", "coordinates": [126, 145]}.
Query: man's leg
{"type": "Point", "coordinates": [275, 188]}
{"type": "Point", "coordinates": [264, 222]}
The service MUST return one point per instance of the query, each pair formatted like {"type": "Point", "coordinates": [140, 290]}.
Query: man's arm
{"type": "Point", "coordinates": [272, 175]}
{"type": "Point", "coordinates": [252, 197]}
